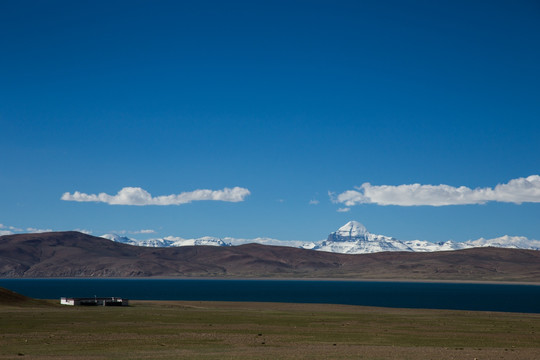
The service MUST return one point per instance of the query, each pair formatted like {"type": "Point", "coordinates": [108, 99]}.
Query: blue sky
{"type": "Point", "coordinates": [282, 110]}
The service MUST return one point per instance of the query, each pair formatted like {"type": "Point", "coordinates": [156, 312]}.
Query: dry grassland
{"type": "Point", "coordinates": [222, 330]}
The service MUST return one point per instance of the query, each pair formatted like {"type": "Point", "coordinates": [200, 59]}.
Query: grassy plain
{"type": "Point", "coordinates": [223, 330]}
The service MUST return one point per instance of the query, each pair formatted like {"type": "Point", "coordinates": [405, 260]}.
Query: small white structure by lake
{"type": "Point", "coordinates": [94, 301]}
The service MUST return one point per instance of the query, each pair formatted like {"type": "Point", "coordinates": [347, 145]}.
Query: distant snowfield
{"type": "Point", "coordinates": [351, 238]}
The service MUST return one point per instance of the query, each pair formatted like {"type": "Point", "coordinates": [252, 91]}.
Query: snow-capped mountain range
{"type": "Point", "coordinates": [168, 241]}
{"type": "Point", "coordinates": [351, 238]}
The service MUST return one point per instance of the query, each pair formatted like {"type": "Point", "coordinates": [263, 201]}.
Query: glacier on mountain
{"type": "Point", "coordinates": [351, 238]}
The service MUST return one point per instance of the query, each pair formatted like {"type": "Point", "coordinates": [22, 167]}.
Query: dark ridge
{"type": "Point", "coordinates": [11, 298]}
{"type": "Point", "coordinates": [74, 254]}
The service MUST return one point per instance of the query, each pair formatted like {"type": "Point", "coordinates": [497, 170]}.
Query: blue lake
{"type": "Point", "coordinates": [462, 296]}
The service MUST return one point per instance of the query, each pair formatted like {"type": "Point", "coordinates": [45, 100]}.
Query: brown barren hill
{"type": "Point", "coordinates": [73, 254]}
{"type": "Point", "coordinates": [11, 298]}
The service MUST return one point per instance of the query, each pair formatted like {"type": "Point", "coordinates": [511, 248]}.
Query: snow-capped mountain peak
{"type": "Point", "coordinates": [120, 239]}
{"type": "Point", "coordinates": [352, 229]}
{"type": "Point", "coordinates": [205, 240]}
{"type": "Point", "coordinates": [353, 238]}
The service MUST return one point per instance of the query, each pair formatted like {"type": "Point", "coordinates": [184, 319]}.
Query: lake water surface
{"type": "Point", "coordinates": [462, 296]}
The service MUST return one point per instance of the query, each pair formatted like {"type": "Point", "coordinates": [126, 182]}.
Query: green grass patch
{"type": "Point", "coordinates": [214, 330]}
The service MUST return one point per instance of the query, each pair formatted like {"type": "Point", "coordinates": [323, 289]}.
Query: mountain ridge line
{"type": "Point", "coordinates": [74, 254]}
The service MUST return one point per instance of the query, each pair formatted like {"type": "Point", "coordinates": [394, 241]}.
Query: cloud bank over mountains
{"type": "Point", "coordinates": [516, 191]}
{"type": "Point", "coordinates": [140, 197]}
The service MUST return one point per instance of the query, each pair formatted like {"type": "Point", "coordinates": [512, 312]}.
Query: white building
{"type": "Point", "coordinates": [95, 301]}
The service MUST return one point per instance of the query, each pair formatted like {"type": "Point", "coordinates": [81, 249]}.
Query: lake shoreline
{"type": "Point", "coordinates": [399, 280]}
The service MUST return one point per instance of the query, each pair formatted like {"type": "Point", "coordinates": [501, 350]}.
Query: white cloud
{"type": "Point", "coordinates": [13, 228]}
{"type": "Point", "coordinates": [143, 231]}
{"type": "Point", "coordinates": [34, 230]}
{"type": "Point", "coordinates": [345, 209]}
{"type": "Point", "coordinates": [517, 191]}
{"type": "Point", "coordinates": [139, 196]}
{"type": "Point", "coordinates": [313, 202]}
{"type": "Point", "coordinates": [173, 238]}
{"type": "Point", "coordinates": [123, 232]}
{"type": "Point", "coordinates": [10, 230]}
{"type": "Point", "coordinates": [84, 231]}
